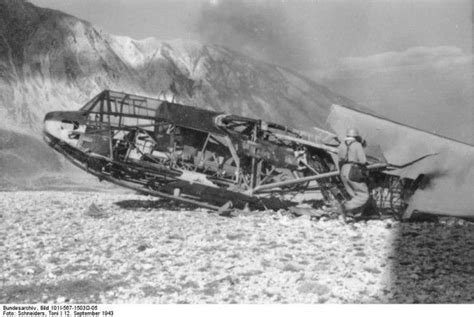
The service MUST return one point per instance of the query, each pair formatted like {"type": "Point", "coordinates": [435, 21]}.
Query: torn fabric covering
{"type": "Point", "coordinates": [449, 174]}
{"type": "Point", "coordinates": [400, 144]}
{"type": "Point", "coordinates": [190, 117]}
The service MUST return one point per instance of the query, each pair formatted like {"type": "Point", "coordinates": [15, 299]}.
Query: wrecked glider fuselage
{"type": "Point", "coordinates": [208, 158]}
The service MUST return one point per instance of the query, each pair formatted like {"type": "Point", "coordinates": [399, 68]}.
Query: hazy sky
{"type": "Point", "coordinates": [410, 60]}
{"type": "Point", "coordinates": [325, 30]}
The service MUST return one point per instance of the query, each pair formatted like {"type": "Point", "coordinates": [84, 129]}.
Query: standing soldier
{"type": "Point", "coordinates": [353, 161]}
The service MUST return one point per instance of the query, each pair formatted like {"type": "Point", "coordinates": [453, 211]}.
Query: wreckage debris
{"type": "Point", "coordinates": [96, 212]}
{"type": "Point", "coordinates": [208, 158]}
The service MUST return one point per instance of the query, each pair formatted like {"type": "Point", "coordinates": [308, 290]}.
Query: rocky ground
{"type": "Point", "coordinates": [55, 247]}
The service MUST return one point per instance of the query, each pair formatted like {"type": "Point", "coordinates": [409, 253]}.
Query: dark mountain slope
{"type": "Point", "coordinates": [53, 61]}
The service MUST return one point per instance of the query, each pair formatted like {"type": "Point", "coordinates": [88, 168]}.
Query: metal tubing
{"type": "Point", "coordinates": [310, 178]}
{"type": "Point", "coordinates": [296, 181]}
{"type": "Point", "coordinates": [305, 142]}
{"type": "Point", "coordinates": [127, 184]}
{"type": "Point", "coordinates": [378, 165]}
{"type": "Point", "coordinates": [253, 172]}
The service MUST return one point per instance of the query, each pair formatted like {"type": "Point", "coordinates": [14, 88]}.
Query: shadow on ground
{"type": "Point", "coordinates": [82, 291]}
{"type": "Point", "coordinates": [156, 204]}
{"type": "Point", "coordinates": [434, 262]}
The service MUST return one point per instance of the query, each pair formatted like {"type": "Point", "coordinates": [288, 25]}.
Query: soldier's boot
{"type": "Point", "coordinates": [343, 212]}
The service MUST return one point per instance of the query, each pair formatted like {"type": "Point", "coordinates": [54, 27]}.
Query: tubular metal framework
{"type": "Point", "coordinates": [198, 156]}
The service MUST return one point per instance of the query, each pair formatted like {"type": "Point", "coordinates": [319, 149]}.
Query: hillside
{"type": "Point", "coordinates": [50, 60]}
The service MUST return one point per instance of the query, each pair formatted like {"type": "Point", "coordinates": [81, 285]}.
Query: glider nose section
{"type": "Point", "coordinates": [66, 126]}
{"type": "Point", "coordinates": [51, 124]}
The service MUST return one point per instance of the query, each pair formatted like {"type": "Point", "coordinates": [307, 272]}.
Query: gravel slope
{"type": "Point", "coordinates": [152, 251]}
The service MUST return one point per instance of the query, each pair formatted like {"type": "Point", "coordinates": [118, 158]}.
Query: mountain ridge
{"type": "Point", "coordinates": [50, 60]}
{"type": "Point", "coordinates": [67, 60]}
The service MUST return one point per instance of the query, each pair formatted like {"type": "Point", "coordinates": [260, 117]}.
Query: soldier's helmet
{"type": "Point", "coordinates": [352, 132]}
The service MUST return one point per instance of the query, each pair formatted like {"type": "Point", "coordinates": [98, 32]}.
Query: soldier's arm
{"type": "Point", "coordinates": [360, 154]}
{"type": "Point", "coordinates": [341, 152]}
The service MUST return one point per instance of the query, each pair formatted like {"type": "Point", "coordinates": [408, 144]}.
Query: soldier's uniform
{"type": "Point", "coordinates": [352, 153]}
